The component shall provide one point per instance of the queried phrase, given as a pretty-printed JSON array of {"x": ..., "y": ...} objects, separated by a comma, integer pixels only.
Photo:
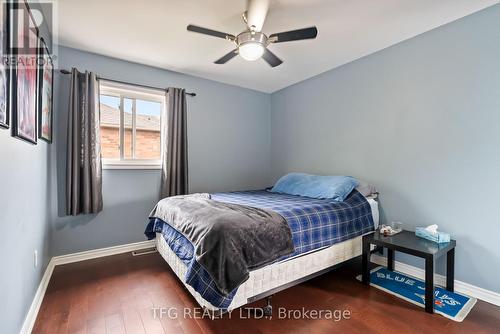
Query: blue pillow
[{"x": 336, "y": 188}]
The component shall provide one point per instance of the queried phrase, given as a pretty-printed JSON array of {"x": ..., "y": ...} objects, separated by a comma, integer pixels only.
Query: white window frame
[{"x": 134, "y": 92}]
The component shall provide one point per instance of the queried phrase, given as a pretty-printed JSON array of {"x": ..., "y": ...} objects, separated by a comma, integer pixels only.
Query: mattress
[
  {"x": 271, "y": 276},
  {"x": 375, "y": 214}
]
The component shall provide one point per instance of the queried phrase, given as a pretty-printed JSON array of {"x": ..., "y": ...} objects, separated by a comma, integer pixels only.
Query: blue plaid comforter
[{"x": 315, "y": 224}]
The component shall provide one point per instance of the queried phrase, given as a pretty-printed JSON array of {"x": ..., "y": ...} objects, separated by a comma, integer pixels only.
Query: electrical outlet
[{"x": 35, "y": 257}]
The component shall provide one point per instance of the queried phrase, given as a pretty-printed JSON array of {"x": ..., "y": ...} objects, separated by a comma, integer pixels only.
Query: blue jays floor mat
[{"x": 451, "y": 305}]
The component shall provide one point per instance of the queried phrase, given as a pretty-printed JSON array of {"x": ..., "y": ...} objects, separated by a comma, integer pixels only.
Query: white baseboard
[
  {"x": 461, "y": 287},
  {"x": 101, "y": 252},
  {"x": 30, "y": 319}
]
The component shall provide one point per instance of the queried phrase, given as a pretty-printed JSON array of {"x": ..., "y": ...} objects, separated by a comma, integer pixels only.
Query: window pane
[
  {"x": 110, "y": 127},
  {"x": 148, "y": 130},
  {"x": 127, "y": 128}
]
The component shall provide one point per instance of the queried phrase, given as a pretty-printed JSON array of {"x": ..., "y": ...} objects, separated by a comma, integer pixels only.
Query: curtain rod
[{"x": 127, "y": 83}]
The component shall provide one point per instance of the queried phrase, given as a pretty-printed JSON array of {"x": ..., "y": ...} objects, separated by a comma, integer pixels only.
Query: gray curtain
[
  {"x": 83, "y": 160},
  {"x": 174, "y": 171}
]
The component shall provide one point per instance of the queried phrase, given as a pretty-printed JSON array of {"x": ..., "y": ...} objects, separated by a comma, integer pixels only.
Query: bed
[{"x": 325, "y": 234}]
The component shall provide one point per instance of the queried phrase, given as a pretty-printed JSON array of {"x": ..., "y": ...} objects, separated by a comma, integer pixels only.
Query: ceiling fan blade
[
  {"x": 256, "y": 13},
  {"x": 224, "y": 59},
  {"x": 271, "y": 58},
  {"x": 294, "y": 35},
  {"x": 210, "y": 32}
]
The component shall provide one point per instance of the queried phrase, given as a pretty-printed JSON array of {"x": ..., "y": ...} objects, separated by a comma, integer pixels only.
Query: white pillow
[{"x": 365, "y": 188}]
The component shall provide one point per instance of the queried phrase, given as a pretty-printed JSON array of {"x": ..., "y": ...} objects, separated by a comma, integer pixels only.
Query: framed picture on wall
[
  {"x": 24, "y": 76},
  {"x": 4, "y": 68},
  {"x": 45, "y": 85}
]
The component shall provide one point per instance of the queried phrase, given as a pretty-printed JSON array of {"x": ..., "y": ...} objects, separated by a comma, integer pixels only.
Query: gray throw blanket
[{"x": 229, "y": 239}]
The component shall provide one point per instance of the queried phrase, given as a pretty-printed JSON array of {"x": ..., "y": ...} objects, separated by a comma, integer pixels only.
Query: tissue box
[{"x": 439, "y": 237}]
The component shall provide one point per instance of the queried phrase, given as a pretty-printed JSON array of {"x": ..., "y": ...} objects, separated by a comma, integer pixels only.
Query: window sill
[{"x": 126, "y": 166}]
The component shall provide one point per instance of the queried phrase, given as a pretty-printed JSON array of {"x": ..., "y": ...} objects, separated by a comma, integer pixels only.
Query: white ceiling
[{"x": 153, "y": 32}]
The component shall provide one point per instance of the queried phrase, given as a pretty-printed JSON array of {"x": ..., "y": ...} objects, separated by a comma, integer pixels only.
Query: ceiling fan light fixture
[
  {"x": 251, "y": 50},
  {"x": 251, "y": 45}
]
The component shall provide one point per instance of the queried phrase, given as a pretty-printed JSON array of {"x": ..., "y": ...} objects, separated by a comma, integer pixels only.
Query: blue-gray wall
[
  {"x": 421, "y": 121},
  {"x": 24, "y": 225},
  {"x": 229, "y": 149},
  {"x": 25, "y": 191}
]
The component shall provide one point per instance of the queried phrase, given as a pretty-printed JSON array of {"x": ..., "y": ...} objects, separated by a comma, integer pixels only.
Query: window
[{"x": 130, "y": 126}]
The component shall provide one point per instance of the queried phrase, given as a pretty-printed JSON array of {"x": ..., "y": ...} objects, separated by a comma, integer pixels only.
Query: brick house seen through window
[{"x": 130, "y": 126}]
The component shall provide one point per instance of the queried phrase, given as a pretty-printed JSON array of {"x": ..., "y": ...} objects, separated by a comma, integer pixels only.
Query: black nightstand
[{"x": 408, "y": 242}]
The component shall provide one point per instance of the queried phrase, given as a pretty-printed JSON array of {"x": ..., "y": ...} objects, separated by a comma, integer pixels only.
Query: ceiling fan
[{"x": 252, "y": 44}]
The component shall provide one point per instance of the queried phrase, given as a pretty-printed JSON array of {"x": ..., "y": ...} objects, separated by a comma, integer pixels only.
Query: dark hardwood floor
[{"x": 118, "y": 294}]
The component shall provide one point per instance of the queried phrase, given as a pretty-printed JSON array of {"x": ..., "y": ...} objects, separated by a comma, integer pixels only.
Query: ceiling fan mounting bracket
[{"x": 272, "y": 39}]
